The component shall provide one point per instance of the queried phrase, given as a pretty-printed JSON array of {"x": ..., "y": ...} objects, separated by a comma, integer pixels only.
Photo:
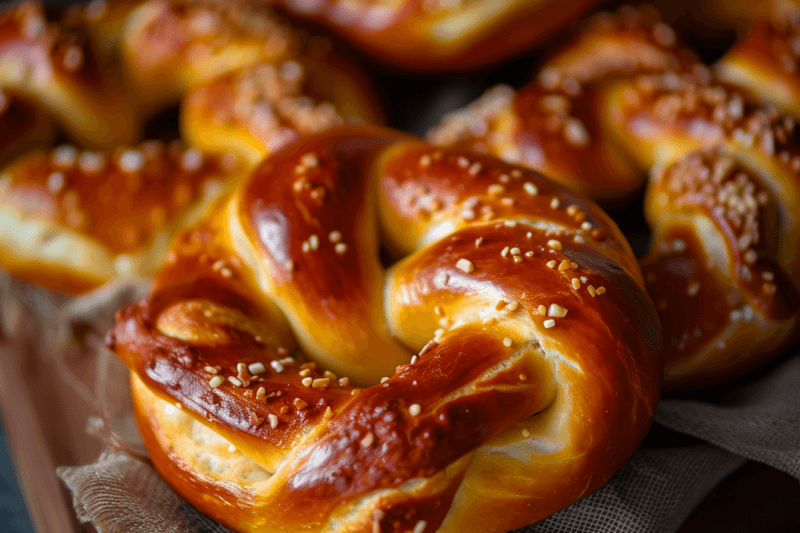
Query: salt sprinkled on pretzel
[{"x": 358, "y": 398}]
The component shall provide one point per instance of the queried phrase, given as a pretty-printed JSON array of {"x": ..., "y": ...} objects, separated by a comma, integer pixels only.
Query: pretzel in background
[
  {"x": 625, "y": 96},
  {"x": 79, "y": 215}
]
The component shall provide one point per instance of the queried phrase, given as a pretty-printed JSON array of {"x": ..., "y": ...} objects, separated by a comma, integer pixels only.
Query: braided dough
[
  {"x": 287, "y": 346},
  {"x": 764, "y": 62},
  {"x": 73, "y": 219},
  {"x": 52, "y": 65},
  {"x": 624, "y": 96}
]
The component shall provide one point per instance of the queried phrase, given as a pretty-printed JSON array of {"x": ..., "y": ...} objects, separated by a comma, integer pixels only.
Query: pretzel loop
[
  {"x": 625, "y": 96},
  {"x": 491, "y": 305}
]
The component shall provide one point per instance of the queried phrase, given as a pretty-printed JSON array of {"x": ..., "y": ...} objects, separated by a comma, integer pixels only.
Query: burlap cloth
[{"x": 120, "y": 492}]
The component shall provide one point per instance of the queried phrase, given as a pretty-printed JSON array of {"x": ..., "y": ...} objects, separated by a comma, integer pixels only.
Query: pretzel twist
[
  {"x": 61, "y": 226},
  {"x": 536, "y": 344},
  {"x": 52, "y": 65},
  {"x": 623, "y": 96}
]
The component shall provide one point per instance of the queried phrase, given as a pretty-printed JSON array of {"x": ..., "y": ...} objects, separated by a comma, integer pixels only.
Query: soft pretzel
[
  {"x": 537, "y": 349},
  {"x": 639, "y": 99},
  {"x": 720, "y": 267},
  {"x": 558, "y": 124},
  {"x": 252, "y": 81},
  {"x": 72, "y": 220},
  {"x": 105, "y": 68},
  {"x": 764, "y": 62},
  {"x": 168, "y": 48},
  {"x": 52, "y": 65},
  {"x": 254, "y": 111},
  {"x": 436, "y": 35},
  {"x": 57, "y": 231}
]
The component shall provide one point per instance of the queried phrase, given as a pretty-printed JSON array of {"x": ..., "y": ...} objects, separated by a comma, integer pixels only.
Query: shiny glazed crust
[
  {"x": 624, "y": 96},
  {"x": 102, "y": 69},
  {"x": 437, "y": 35},
  {"x": 291, "y": 349},
  {"x": 725, "y": 294},
  {"x": 74, "y": 219},
  {"x": 71, "y": 220},
  {"x": 169, "y": 47},
  {"x": 764, "y": 63},
  {"x": 560, "y": 123},
  {"x": 256, "y": 110}
]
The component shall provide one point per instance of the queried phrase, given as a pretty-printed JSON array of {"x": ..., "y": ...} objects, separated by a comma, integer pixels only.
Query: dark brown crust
[
  {"x": 25, "y": 126},
  {"x": 706, "y": 292},
  {"x": 698, "y": 307},
  {"x": 405, "y": 446},
  {"x": 742, "y": 209},
  {"x": 420, "y": 424}
]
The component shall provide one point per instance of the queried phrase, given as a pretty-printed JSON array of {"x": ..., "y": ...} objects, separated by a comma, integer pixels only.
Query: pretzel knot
[
  {"x": 625, "y": 96},
  {"x": 478, "y": 382}
]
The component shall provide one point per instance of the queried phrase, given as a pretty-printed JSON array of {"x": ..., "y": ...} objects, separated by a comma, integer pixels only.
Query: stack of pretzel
[{"x": 355, "y": 330}]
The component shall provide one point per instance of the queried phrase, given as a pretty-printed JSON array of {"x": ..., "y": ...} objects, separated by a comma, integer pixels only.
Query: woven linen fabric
[
  {"x": 654, "y": 492},
  {"x": 759, "y": 420}
]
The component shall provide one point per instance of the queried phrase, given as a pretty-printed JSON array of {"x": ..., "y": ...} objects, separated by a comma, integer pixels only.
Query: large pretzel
[
  {"x": 625, "y": 96},
  {"x": 285, "y": 380}
]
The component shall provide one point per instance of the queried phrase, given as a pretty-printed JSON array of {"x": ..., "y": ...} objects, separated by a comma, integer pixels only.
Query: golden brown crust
[
  {"x": 256, "y": 110},
  {"x": 424, "y": 189},
  {"x": 440, "y": 35},
  {"x": 548, "y": 130},
  {"x": 52, "y": 65},
  {"x": 559, "y": 124},
  {"x": 110, "y": 221},
  {"x": 764, "y": 63},
  {"x": 114, "y": 212},
  {"x": 720, "y": 268},
  {"x": 280, "y": 261},
  {"x": 631, "y": 40},
  {"x": 169, "y": 47},
  {"x": 622, "y": 96}
]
